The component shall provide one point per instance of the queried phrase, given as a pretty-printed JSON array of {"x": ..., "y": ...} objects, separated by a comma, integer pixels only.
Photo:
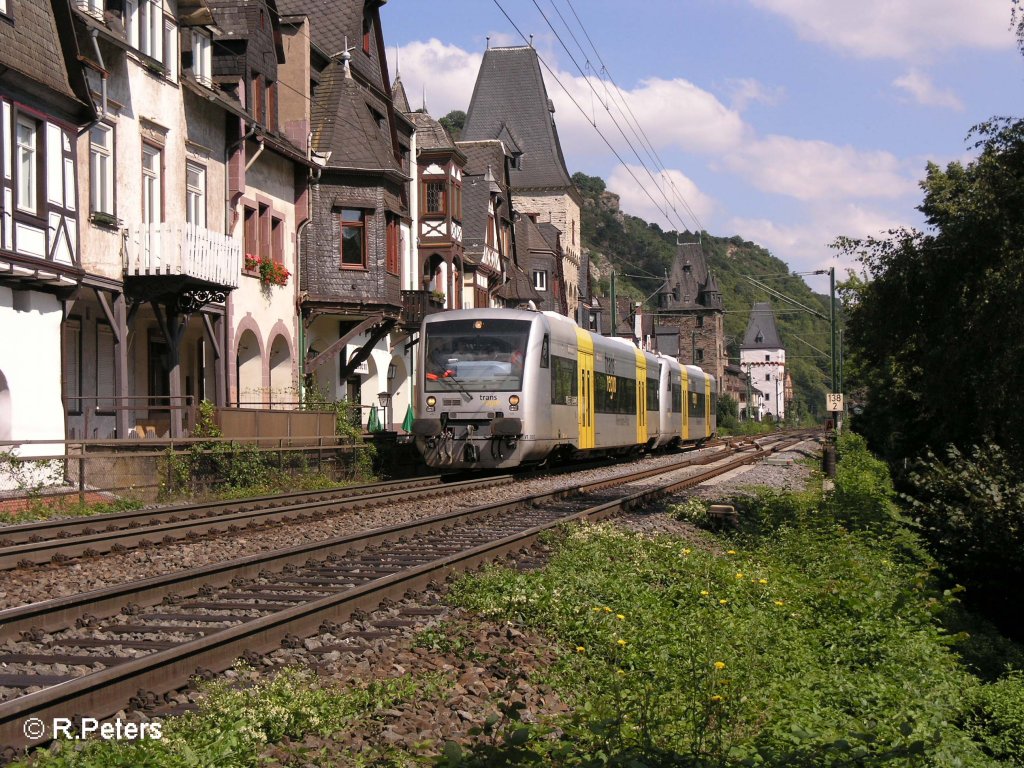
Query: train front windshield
[{"x": 484, "y": 354}]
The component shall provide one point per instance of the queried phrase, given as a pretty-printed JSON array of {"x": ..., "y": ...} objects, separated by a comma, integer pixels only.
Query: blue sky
[{"x": 787, "y": 122}]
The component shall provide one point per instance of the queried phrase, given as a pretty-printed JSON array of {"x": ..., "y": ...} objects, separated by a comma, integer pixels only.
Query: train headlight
[
  {"x": 431, "y": 401},
  {"x": 513, "y": 403}
]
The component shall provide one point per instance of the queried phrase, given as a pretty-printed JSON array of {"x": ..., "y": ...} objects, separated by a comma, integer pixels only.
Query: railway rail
[{"x": 146, "y": 638}]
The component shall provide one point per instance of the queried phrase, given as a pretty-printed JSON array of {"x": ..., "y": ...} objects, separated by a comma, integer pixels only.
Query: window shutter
[
  {"x": 131, "y": 8},
  {"x": 72, "y": 364},
  {"x": 105, "y": 365}
]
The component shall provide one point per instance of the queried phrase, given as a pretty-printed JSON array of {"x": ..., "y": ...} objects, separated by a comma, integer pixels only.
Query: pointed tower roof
[
  {"x": 399, "y": 96},
  {"x": 761, "y": 331},
  {"x": 510, "y": 102},
  {"x": 690, "y": 285}
]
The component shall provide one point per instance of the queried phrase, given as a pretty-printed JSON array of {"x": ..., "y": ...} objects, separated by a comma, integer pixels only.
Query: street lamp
[{"x": 384, "y": 398}]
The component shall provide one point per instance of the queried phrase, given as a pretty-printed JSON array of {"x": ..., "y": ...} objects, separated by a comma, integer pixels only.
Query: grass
[
  {"x": 812, "y": 638},
  {"x": 234, "y": 726}
]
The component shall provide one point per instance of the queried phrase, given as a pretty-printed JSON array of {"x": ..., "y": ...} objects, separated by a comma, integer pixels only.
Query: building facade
[{"x": 763, "y": 359}]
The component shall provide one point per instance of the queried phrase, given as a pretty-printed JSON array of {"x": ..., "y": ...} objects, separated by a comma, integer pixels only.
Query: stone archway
[
  {"x": 5, "y": 409},
  {"x": 248, "y": 369},
  {"x": 282, "y": 388}
]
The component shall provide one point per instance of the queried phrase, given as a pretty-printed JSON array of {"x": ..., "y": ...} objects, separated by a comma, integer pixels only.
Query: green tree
[
  {"x": 937, "y": 331},
  {"x": 454, "y": 122}
]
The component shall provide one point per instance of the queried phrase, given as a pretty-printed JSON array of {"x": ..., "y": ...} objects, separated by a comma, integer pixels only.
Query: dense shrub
[{"x": 970, "y": 507}]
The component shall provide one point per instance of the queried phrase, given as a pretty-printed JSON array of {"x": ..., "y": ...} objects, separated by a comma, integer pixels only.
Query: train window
[
  {"x": 544, "y": 354},
  {"x": 564, "y": 381},
  {"x": 677, "y": 397},
  {"x": 484, "y": 354},
  {"x": 653, "y": 400}
]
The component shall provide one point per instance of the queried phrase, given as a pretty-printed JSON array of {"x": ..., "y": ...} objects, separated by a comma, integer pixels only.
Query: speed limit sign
[{"x": 833, "y": 401}]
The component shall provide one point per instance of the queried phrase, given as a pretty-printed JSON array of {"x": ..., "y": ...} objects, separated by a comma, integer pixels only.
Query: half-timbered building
[{"x": 43, "y": 106}]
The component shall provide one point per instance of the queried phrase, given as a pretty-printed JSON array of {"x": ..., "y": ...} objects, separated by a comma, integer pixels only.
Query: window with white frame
[
  {"x": 101, "y": 169},
  {"x": 151, "y": 33},
  {"x": 195, "y": 194},
  {"x": 152, "y": 184},
  {"x": 27, "y": 138},
  {"x": 3, "y": 6},
  {"x": 540, "y": 280},
  {"x": 92, "y": 7},
  {"x": 202, "y": 57}
]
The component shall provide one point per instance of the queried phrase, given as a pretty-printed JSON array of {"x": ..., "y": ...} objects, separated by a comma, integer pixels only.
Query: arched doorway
[
  {"x": 282, "y": 389},
  {"x": 248, "y": 370}
]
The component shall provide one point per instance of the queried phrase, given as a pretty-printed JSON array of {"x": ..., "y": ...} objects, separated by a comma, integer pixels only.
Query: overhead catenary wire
[{"x": 583, "y": 111}]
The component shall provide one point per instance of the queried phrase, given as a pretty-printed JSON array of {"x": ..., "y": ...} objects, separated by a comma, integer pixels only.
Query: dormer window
[
  {"x": 202, "y": 57},
  {"x": 367, "y": 28},
  {"x": 153, "y": 35}
]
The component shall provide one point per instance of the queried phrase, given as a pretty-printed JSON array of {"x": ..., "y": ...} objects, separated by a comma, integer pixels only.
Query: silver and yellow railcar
[{"x": 500, "y": 388}]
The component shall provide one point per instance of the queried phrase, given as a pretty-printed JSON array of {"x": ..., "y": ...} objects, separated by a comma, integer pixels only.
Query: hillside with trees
[{"x": 641, "y": 254}]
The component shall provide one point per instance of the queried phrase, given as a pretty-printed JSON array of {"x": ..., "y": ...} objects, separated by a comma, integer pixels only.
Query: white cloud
[
  {"x": 925, "y": 92},
  {"x": 804, "y": 246},
  {"x": 814, "y": 170},
  {"x": 746, "y": 91},
  {"x": 672, "y": 194},
  {"x": 905, "y": 29},
  {"x": 673, "y": 114},
  {"x": 442, "y": 74}
]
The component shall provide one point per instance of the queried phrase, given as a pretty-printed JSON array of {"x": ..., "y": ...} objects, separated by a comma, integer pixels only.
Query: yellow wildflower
[
  {"x": 621, "y": 641},
  {"x": 719, "y": 665},
  {"x": 620, "y": 671},
  {"x": 597, "y": 610},
  {"x": 716, "y": 698},
  {"x": 723, "y": 601},
  {"x": 686, "y": 551},
  {"x": 580, "y": 649},
  {"x": 731, "y": 552},
  {"x": 607, "y": 609},
  {"x": 704, "y": 592},
  {"x": 779, "y": 602},
  {"x": 739, "y": 575},
  {"x": 620, "y": 617},
  {"x": 762, "y": 581}
]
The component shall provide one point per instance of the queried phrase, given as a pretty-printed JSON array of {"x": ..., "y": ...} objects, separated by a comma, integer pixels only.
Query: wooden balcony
[
  {"x": 415, "y": 306},
  {"x": 184, "y": 251}
]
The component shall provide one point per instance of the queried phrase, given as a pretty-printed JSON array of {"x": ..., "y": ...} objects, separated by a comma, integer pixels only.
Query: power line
[{"x": 582, "y": 111}]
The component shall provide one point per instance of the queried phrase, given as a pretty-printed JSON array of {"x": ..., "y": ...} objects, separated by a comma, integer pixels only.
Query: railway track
[
  {"x": 92, "y": 653},
  {"x": 60, "y": 540}
]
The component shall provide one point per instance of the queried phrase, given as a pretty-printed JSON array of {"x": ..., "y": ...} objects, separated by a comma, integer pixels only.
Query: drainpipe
[
  {"x": 103, "y": 77},
  {"x": 258, "y": 152}
]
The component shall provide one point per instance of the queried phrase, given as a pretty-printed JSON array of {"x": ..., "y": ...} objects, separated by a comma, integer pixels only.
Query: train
[{"x": 507, "y": 388}]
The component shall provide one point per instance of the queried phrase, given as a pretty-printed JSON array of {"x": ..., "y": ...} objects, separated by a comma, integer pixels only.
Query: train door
[
  {"x": 585, "y": 353},
  {"x": 641, "y": 398},
  {"x": 685, "y": 404}
]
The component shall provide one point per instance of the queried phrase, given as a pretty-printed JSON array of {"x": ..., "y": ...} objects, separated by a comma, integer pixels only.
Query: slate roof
[
  {"x": 761, "y": 331},
  {"x": 430, "y": 134},
  {"x": 399, "y": 96},
  {"x": 31, "y": 47},
  {"x": 519, "y": 288},
  {"x": 690, "y": 282},
  {"x": 331, "y": 21},
  {"x": 344, "y": 124},
  {"x": 510, "y": 102},
  {"x": 481, "y": 157}
]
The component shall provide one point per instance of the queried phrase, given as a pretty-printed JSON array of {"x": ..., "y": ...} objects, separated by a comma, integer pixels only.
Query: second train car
[{"x": 500, "y": 388}]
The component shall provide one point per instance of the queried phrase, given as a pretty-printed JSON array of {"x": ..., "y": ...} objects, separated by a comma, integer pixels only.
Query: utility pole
[
  {"x": 832, "y": 322},
  {"x": 612, "y": 329}
]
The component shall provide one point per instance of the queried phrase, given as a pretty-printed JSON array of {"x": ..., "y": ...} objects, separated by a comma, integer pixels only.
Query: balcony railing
[
  {"x": 416, "y": 305},
  {"x": 153, "y": 250}
]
